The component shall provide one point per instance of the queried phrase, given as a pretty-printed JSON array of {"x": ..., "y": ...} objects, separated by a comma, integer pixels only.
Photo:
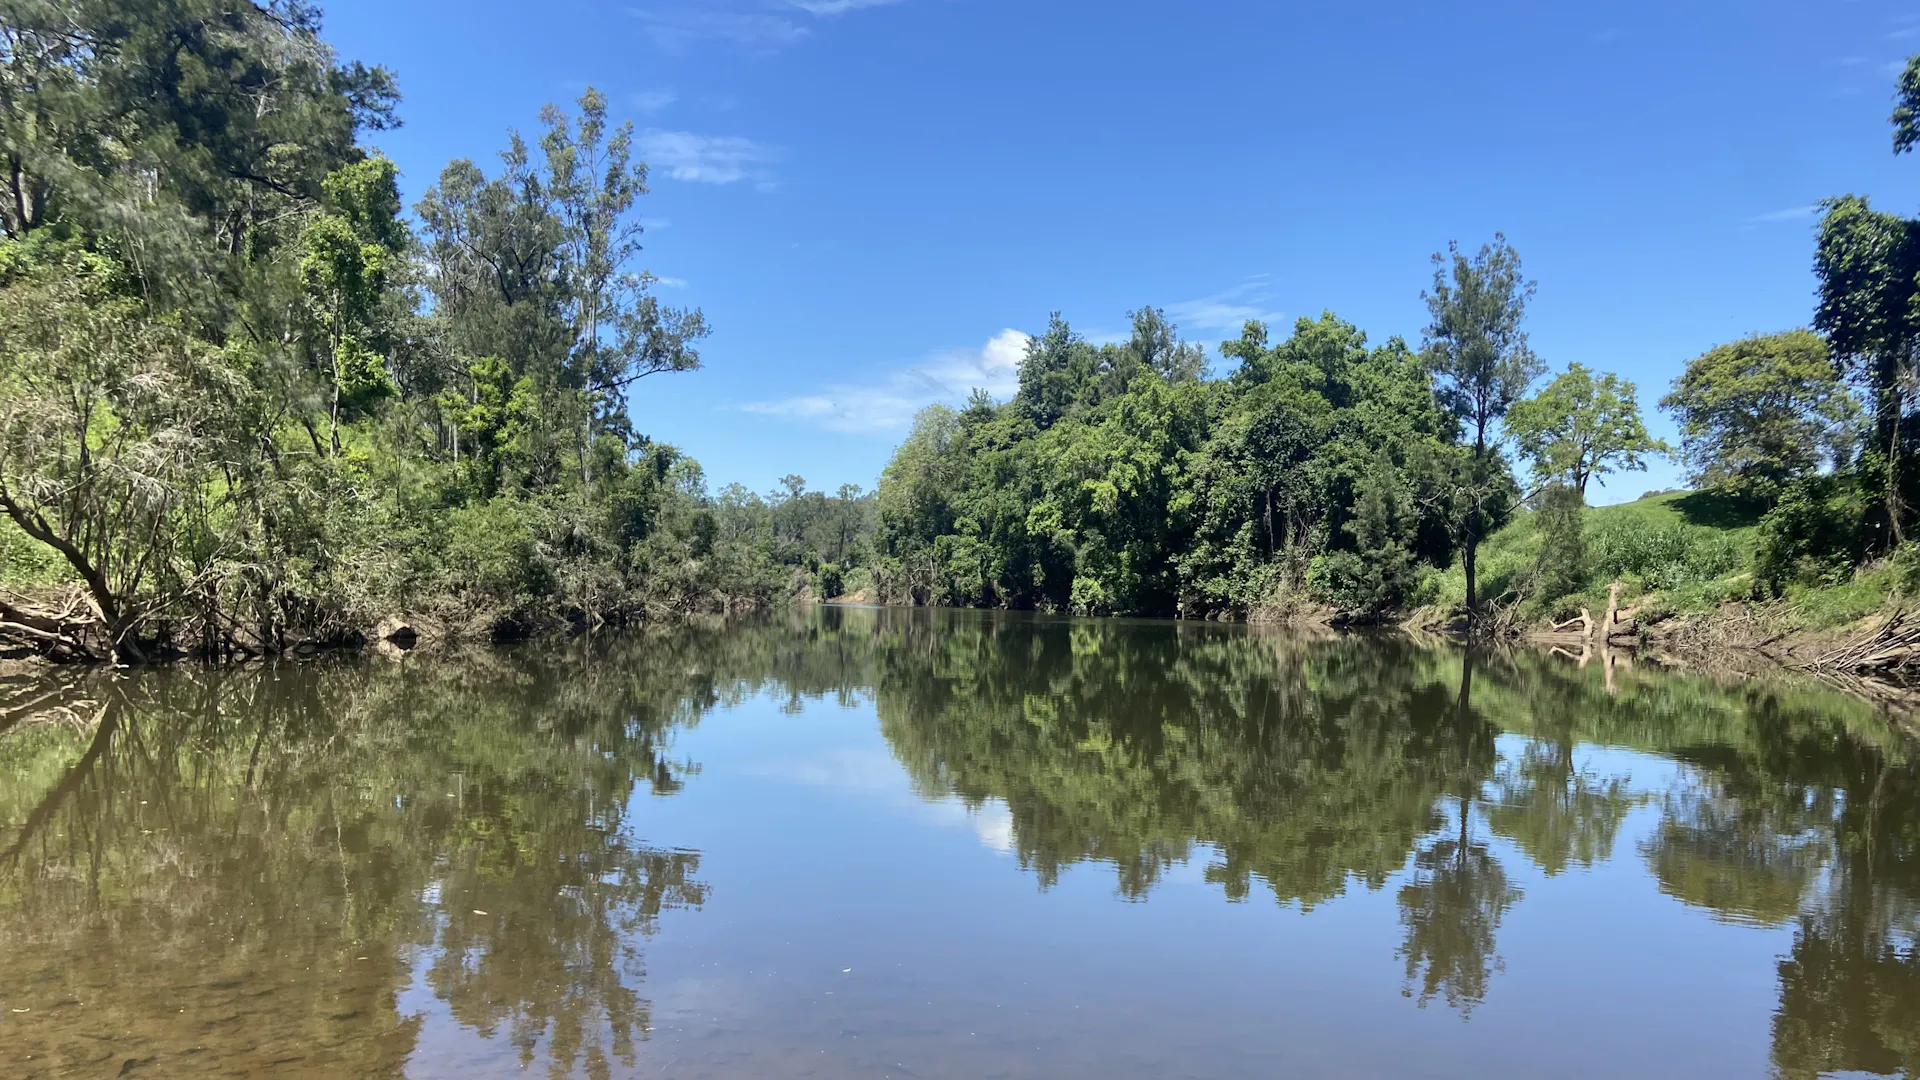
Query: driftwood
[
  {"x": 65, "y": 633},
  {"x": 1893, "y": 646},
  {"x": 1584, "y": 621},
  {"x": 1620, "y": 622}
]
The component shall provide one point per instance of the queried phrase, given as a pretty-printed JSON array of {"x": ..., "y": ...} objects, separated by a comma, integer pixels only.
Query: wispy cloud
[
  {"x": 1791, "y": 213},
  {"x": 652, "y": 101},
  {"x": 709, "y": 159},
  {"x": 677, "y": 25},
  {"x": 836, "y": 7},
  {"x": 675, "y": 29},
  {"x": 671, "y": 282},
  {"x": 1226, "y": 312},
  {"x": 889, "y": 403}
]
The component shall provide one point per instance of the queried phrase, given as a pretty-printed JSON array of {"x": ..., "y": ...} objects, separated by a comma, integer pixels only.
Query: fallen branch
[{"x": 1892, "y": 646}]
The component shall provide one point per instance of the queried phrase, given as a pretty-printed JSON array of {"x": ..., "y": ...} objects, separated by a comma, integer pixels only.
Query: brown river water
[{"x": 858, "y": 843}]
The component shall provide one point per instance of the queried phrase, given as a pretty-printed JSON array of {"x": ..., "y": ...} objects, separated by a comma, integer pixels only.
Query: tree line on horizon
[
  {"x": 249, "y": 400},
  {"x": 1327, "y": 471}
]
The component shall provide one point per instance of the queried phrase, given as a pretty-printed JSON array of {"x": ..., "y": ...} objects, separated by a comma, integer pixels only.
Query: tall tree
[
  {"x": 1579, "y": 427},
  {"x": 1868, "y": 263},
  {"x": 348, "y": 252},
  {"x": 538, "y": 265},
  {"x": 1906, "y": 110},
  {"x": 1480, "y": 356},
  {"x": 184, "y": 130}
]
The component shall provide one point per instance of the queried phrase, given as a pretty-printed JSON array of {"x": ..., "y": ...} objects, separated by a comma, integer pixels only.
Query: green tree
[
  {"x": 1561, "y": 567},
  {"x": 348, "y": 252},
  {"x": 1906, "y": 110},
  {"x": 1868, "y": 263},
  {"x": 1479, "y": 353},
  {"x": 1757, "y": 413},
  {"x": 1579, "y": 427},
  {"x": 122, "y": 446}
]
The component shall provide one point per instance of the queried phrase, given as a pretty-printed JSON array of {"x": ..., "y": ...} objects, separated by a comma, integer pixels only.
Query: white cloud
[
  {"x": 708, "y": 159},
  {"x": 889, "y": 403},
  {"x": 652, "y": 101},
  {"x": 674, "y": 29},
  {"x": 676, "y": 26},
  {"x": 1792, "y": 213},
  {"x": 670, "y": 282},
  {"x": 872, "y": 773},
  {"x": 1225, "y": 312},
  {"x": 836, "y": 7}
]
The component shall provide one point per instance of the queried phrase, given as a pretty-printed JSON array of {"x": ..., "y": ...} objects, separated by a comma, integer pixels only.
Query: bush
[
  {"x": 491, "y": 557},
  {"x": 1561, "y": 567},
  {"x": 1813, "y": 537}
]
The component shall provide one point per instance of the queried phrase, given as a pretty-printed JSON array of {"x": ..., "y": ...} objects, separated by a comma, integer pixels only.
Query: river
[{"x": 859, "y": 843}]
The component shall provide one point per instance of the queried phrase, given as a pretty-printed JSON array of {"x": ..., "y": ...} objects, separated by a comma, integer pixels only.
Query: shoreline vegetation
[{"x": 251, "y": 404}]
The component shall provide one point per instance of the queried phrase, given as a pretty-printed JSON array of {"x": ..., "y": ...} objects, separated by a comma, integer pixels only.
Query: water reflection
[{"x": 243, "y": 870}]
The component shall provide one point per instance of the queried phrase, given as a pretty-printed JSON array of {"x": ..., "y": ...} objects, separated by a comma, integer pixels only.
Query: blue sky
[{"x": 873, "y": 199}]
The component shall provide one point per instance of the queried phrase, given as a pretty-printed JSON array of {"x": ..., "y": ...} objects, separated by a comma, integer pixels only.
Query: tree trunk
[
  {"x": 333, "y": 433},
  {"x": 1894, "y": 506},
  {"x": 1473, "y": 584}
]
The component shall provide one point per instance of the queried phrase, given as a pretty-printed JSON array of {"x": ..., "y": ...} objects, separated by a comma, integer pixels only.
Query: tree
[
  {"x": 1757, "y": 413},
  {"x": 1156, "y": 346},
  {"x": 223, "y": 117},
  {"x": 348, "y": 252},
  {"x": 537, "y": 266},
  {"x": 1056, "y": 373},
  {"x": 1579, "y": 427},
  {"x": 1868, "y": 263},
  {"x": 1906, "y": 113},
  {"x": 118, "y": 442},
  {"x": 1480, "y": 355}
]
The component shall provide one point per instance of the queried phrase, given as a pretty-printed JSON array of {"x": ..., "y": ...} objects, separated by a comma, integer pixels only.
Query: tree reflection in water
[{"x": 280, "y": 854}]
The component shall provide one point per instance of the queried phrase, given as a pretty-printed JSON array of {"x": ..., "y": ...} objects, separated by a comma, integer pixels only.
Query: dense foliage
[
  {"x": 1367, "y": 480},
  {"x": 246, "y": 403},
  {"x": 1321, "y": 469}
]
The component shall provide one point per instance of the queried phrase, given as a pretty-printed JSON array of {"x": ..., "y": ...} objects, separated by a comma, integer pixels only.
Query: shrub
[
  {"x": 1561, "y": 567},
  {"x": 491, "y": 556},
  {"x": 1813, "y": 536}
]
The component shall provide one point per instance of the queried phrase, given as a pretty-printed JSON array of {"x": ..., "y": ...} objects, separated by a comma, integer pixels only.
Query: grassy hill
[{"x": 1679, "y": 551}]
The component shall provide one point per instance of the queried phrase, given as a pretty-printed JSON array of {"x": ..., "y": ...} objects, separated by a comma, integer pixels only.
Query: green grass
[
  {"x": 26, "y": 563},
  {"x": 1698, "y": 508},
  {"x": 1686, "y": 551},
  {"x": 1678, "y": 552}
]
